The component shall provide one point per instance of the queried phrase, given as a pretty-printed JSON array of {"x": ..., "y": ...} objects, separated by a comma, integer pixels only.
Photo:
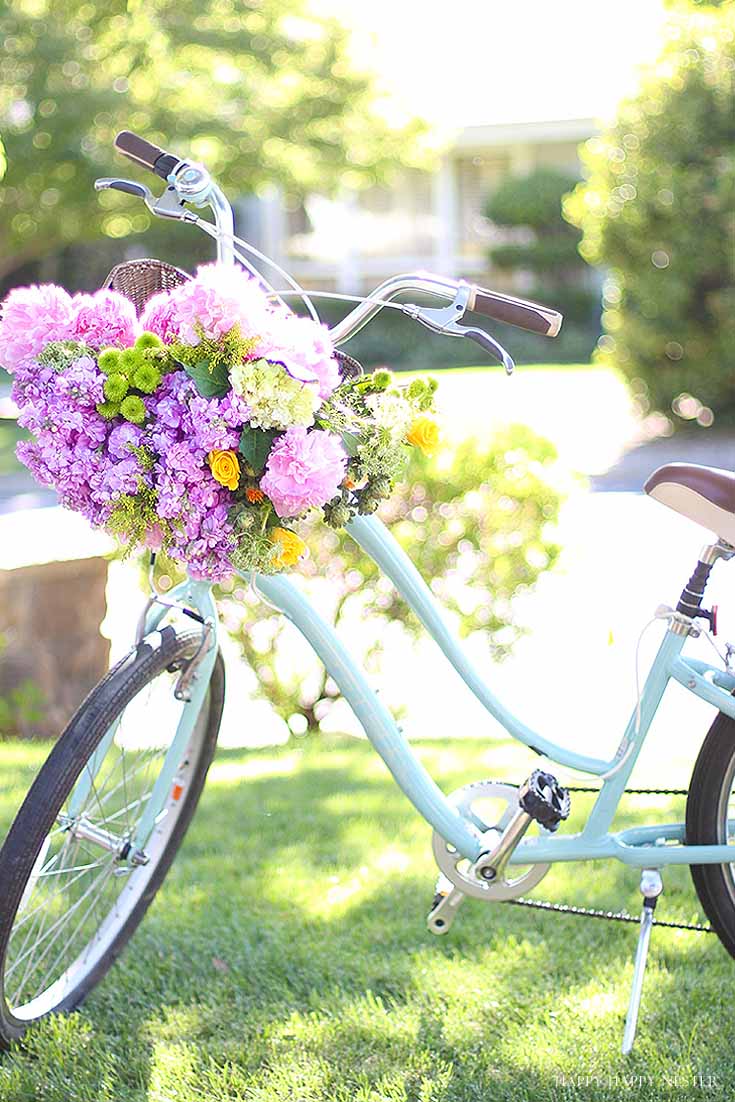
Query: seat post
[{"x": 690, "y": 601}]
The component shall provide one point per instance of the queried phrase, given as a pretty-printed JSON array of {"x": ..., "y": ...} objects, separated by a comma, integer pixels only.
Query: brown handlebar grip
[
  {"x": 145, "y": 153},
  {"x": 516, "y": 311}
]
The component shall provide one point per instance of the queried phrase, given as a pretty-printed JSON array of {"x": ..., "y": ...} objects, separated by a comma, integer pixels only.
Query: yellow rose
[
  {"x": 424, "y": 434},
  {"x": 291, "y": 547},
  {"x": 225, "y": 467}
]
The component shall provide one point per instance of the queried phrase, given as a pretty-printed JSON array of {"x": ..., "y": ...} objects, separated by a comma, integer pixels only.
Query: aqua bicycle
[{"x": 104, "y": 818}]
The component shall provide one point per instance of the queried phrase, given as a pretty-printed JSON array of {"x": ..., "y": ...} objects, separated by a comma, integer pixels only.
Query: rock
[{"x": 51, "y": 649}]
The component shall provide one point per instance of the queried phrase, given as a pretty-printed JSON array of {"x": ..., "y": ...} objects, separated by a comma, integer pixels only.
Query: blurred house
[{"x": 423, "y": 220}]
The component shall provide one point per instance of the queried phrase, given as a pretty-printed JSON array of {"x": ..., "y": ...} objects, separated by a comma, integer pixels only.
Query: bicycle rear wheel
[
  {"x": 74, "y": 886},
  {"x": 710, "y": 821}
]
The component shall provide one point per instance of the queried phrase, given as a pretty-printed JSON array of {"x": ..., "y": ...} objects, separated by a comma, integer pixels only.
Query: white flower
[
  {"x": 391, "y": 412},
  {"x": 276, "y": 400}
]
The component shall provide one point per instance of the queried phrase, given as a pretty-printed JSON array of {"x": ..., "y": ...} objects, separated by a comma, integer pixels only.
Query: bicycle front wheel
[{"x": 74, "y": 885}]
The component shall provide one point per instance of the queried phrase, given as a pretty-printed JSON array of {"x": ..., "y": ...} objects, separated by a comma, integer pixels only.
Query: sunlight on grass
[
  {"x": 234, "y": 772},
  {"x": 287, "y": 958}
]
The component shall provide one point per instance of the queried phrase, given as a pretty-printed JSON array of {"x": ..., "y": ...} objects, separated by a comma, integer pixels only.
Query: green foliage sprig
[
  {"x": 60, "y": 355},
  {"x": 209, "y": 362},
  {"x": 134, "y": 515},
  {"x": 378, "y": 456}
]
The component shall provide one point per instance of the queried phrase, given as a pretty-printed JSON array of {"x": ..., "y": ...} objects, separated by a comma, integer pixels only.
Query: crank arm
[{"x": 448, "y": 900}]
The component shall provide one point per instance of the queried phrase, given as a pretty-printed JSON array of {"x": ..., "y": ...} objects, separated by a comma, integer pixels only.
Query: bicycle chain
[{"x": 614, "y": 916}]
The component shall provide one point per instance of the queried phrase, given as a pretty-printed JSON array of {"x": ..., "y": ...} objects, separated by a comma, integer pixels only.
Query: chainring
[{"x": 517, "y": 880}]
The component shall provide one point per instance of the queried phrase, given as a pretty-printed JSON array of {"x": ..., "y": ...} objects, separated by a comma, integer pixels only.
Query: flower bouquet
[{"x": 207, "y": 426}]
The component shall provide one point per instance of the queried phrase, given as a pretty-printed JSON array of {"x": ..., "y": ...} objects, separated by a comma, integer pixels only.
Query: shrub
[
  {"x": 657, "y": 211},
  {"x": 542, "y": 243},
  {"x": 477, "y": 527}
]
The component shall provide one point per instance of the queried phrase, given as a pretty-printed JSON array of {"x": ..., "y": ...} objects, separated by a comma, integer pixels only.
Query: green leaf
[
  {"x": 211, "y": 383},
  {"x": 255, "y": 446},
  {"x": 351, "y": 442}
]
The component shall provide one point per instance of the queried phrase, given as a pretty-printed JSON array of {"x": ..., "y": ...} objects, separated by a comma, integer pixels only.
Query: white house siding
[{"x": 422, "y": 220}]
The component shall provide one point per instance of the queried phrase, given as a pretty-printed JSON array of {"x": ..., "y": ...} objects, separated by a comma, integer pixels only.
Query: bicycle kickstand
[{"x": 651, "y": 888}]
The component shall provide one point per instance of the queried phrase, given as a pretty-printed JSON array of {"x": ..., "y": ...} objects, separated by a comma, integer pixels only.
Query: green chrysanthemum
[
  {"x": 109, "y": 360},
  {"x": 130, "y": 361},
  {"x": 148, "y": 340},
  {"x": 108, "y": 410},
  {"x": 146, "y": 378},
  {"x": 116, "y": 387},
  {"x": 133, "y": 410}
]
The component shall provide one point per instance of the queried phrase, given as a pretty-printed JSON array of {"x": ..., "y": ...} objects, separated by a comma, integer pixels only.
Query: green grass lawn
[{"x": 286, "y": 958}]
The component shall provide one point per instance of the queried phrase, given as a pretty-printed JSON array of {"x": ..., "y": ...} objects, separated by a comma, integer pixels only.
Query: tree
[
  {"x": 260, "y": 90},
  {"x": 546, "y": 245},
  {"x": 657, "y": 213}
]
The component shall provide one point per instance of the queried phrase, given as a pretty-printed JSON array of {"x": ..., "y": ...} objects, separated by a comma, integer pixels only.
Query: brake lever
[
  {"x": 129, "y": 186},
  {"x": 445, "y": 320},
  {"x": 479, "y": 336},
  {"x": 168, "y": 205}
]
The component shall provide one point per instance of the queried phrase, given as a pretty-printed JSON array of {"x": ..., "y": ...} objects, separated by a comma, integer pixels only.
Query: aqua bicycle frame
[{"x": 643, "y": 846}]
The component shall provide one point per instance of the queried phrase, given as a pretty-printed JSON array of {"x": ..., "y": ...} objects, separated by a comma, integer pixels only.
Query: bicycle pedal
[
  {"x": 444, "y": 906},
  {"x": 545, "y": 800}
]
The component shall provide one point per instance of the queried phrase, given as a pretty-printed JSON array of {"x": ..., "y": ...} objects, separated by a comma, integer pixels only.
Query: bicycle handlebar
[
  {"x": 413, "y": 282},
  {"x": 145, "y": 153},
  {"x": 192, "y": 184},
  {"x": 516, "y": 311}
]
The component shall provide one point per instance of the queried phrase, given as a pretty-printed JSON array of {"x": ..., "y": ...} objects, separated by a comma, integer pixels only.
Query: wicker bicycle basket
[{"x": 140, "y": 280}]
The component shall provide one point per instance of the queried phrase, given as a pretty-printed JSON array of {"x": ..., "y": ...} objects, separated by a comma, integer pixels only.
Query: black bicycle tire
[
  {"x": 714, "y": 884},
  {"x": 58, "y": 774}
]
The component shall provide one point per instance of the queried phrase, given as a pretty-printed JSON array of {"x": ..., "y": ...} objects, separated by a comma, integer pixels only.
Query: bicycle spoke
[
  {"x": 139, "y": 767},
  {"x": 50, "y": 970},
  {"x": 75, "y": 868},
  {"x": 57, "y": 926}
]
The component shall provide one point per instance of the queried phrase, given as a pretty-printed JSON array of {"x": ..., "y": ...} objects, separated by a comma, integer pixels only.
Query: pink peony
[
  {"x": 103, "y": 318},
  {"x": 303, "y": 469},
  {"x": 159, "y": 317},
  {"x": 216, "y": 299},
  {"x": 31, "y": 317},
  {"x": 304, "y": 348},
  {"x": 219, "y": 297}
]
